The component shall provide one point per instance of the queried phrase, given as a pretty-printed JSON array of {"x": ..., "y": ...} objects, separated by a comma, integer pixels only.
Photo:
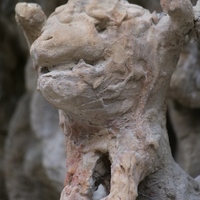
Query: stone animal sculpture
[{"x": 106, "y": 65}]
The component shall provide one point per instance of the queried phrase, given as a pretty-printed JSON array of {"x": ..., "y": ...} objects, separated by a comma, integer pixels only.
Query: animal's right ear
[
  {"x": 112, "y": 12},
  {"x": 31, "y": 18},
  {"x": 99, "y": 13}
]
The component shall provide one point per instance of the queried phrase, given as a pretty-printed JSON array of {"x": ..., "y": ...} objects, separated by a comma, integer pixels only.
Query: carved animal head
[{"x": 89, "y": 59}]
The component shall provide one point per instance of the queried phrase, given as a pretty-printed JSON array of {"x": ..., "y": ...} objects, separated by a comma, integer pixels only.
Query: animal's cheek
[{"x": 91, "y": 75}]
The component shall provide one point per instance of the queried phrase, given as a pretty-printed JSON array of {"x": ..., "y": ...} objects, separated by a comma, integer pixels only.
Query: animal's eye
[
  {"x": 44, "y": 70},
  {"x": 100, "y": 27}
]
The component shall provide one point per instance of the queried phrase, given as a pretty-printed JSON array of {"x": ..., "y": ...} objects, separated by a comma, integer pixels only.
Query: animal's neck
[{"x": 80, "y": 130}]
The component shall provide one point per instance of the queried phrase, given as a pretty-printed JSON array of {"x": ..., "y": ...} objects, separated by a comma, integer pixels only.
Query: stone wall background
[
  {"x": 32, "y": 147},
  {"x": 32, "y": 151}
]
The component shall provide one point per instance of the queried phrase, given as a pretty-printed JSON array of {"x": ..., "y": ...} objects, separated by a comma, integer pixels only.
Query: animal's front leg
[
  {"x": 73, "y": 195},
  {"x": 79, "y": 180},
  {"x": 125, "y": 177}
]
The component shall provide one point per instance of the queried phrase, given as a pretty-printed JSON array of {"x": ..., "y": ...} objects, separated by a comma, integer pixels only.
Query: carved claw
[{"x": 31, "y": 18}]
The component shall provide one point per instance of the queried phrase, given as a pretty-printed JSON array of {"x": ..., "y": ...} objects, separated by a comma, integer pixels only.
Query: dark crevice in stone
[{"x": 102, "y": 173}]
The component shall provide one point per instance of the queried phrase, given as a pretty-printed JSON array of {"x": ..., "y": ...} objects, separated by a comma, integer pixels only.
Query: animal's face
[{"x": 85, "y": 63}]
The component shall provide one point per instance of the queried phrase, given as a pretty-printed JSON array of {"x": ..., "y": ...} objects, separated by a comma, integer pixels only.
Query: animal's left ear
[
  {"x": 31, "y": 18},
  {"x": 105, "y": 11}
]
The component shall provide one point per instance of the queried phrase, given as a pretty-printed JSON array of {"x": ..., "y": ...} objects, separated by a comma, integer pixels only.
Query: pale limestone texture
[{"x": 106, "y": 65}]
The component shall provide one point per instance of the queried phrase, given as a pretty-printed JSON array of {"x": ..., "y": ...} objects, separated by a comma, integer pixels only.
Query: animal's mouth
[{"x": 64, "y": 66}]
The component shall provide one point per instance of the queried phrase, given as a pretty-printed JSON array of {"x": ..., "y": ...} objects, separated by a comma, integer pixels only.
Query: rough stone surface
[
  {"x": 107, "y": 66},
  {"x": 12, "y": 59},
  {"x": 26, "y": 167},
  {"x": 25, "y": 177},
  {"x": 185, "y": 82},
  {"x": 186, "y": 125},
  {"x": 35, "y": 155},
  {"x": 184, "y": 108}
]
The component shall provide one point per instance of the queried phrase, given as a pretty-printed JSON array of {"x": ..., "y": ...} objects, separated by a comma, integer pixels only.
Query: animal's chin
[
  {"x": 53, "y": 97},
  {"x": 56, "y": 91},
  {"x": 66, "y": 90},
  {"x": 78, "y": 99},
  {"x": 89, "y": 111}
]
